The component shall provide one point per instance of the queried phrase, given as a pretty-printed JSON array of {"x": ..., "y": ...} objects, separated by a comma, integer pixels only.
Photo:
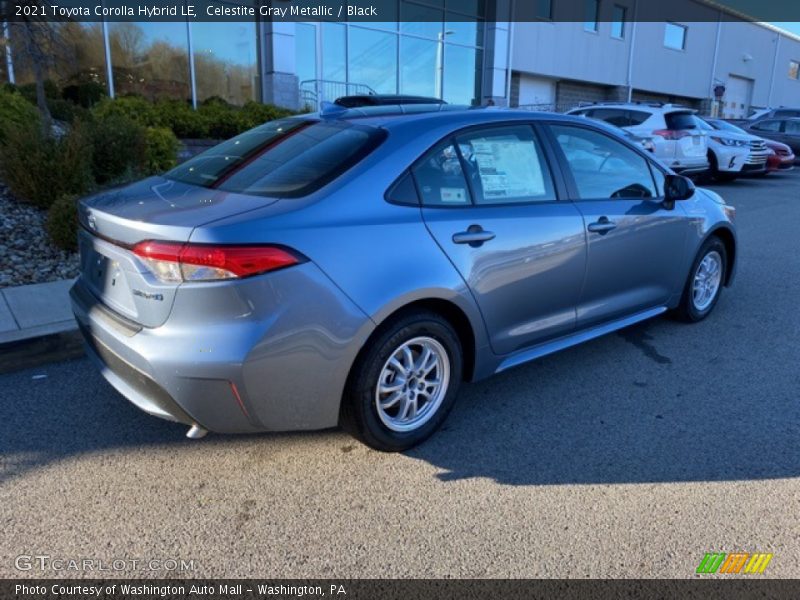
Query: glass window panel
[
  {"x": 592, "y": 7},
  {"x": 469, "y": 7},
  {"x": 675, "y": 36},
  {"x": 544, "y": 9},
  {"x": 468, "y": 32},
  {"x": 603, "y": 167},
  {"x": 373, "y": 59},
  {"x": 461, "y": 75},
  {"x": 794, "y": 69},
  {"x": 305, "y": 42},
  {"x": 334, "y": 57},
  {"x": 421, "y": 20},
  {"x": 618, "y": 22},
  {"x": 225, "y": 61},
  {"x": 150, "y": 59},
  {"x": 74, "y": 51},
  {"x": 418, "y": 68}
]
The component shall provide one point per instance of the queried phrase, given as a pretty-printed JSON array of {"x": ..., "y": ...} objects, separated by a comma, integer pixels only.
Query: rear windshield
[
  {"x": 680, "y": 120},
  {"x": 288, "y": 158}
]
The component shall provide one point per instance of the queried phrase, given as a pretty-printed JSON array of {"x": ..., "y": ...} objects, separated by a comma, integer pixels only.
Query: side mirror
[{"x": 677, "y": 187}]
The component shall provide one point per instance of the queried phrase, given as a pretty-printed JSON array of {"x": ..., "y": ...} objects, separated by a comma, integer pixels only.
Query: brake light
[
  {"x": 672, "y": 134},
  {"x": 176, "y": 262}
]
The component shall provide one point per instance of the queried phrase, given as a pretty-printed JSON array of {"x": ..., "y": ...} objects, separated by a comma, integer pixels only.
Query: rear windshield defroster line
[{"x": 288, "y": 158}]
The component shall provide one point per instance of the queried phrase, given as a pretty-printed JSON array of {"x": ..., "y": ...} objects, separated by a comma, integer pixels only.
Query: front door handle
[
  {"x": 602, "y": 226},
  {"x": 475, "y": 235}
]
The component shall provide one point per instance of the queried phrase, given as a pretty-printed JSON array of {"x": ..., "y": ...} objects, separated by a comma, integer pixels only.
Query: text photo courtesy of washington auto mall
[{"x": 397, "y": 299}]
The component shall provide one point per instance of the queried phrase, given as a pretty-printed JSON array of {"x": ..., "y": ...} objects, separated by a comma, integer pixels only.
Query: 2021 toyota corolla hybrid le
[{"x": 355, "y": 268}]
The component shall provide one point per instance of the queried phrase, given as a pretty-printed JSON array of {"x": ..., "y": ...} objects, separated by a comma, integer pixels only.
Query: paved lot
[{"x": 630, "y": 456}]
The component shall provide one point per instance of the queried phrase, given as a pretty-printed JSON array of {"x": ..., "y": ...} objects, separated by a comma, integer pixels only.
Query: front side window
[
  {"x": 603, "y": 167},
  {"x": 287, "y": 158},
  {"x": 675, "y": 36}
]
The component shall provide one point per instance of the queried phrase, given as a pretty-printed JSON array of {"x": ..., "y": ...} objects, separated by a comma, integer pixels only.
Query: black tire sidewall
[{"x": 364, "y": 414}]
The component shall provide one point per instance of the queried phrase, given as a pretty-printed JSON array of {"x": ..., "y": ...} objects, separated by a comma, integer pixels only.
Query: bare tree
[{"x": 37, "y": 45}]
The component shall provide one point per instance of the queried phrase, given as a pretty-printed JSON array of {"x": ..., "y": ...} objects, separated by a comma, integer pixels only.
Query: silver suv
[{"x": 678, "y": 142}]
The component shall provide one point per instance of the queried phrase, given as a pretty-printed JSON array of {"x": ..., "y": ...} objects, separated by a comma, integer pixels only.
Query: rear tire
[
  {"x": 704, "y": 284},
  {"x": 404, "y": 383}
]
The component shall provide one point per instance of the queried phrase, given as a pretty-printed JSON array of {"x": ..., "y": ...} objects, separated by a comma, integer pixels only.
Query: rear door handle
[
  {"x": 475, "y": 235},
  {"x": 602, "y": 226}
]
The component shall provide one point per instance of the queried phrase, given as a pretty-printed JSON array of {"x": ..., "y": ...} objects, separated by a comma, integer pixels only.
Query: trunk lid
[{"x": 152, "y": 209}]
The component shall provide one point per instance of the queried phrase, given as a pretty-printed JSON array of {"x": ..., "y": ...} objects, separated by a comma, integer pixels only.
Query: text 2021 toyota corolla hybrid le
[{"x": 355, "y": 268}]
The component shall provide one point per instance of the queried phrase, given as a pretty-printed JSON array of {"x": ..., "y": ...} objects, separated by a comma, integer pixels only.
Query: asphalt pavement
[{"x": 630, "y": 456}]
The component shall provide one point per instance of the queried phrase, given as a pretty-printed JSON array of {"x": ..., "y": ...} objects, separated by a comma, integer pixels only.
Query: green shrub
[
  {"x": 38, "y": 168},
  {"x": 15, "y": 110},
  {"x": 117, "y": 147},
  {"x": 221, "y": 120},
  {"x": 86, "y": 94},
  {"x": 253, "y": 114},
  {"x": 161, "y": 150},
  {"x": 133, "y": 108},
  {"x": 29, "y": 91},
  {"x": 179, "y": 116},
  {"x": 64, "y": 110},
  {"x": 62, "y": 222}
]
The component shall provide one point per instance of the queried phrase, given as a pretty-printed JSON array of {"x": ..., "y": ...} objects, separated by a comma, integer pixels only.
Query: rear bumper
[{"x": 257, "y": 366}]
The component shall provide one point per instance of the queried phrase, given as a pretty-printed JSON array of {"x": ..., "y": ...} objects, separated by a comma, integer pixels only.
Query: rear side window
[
  {"x": 680, "y": 120},
  {"x": 612, "y": 115},
  {"x": 767, "y": 126},
  {"x": 499, "y": 165},
  {"x": 637, "y": 117},
  {"x": 603, "y": 167},
  {"x": 284, "y": 159},
  {"x": 506, "y": 165},
  {"x": 787, "y": 113}
]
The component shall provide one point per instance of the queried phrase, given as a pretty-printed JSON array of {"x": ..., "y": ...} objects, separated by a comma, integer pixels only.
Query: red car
[{"x": 781, "y": 157}]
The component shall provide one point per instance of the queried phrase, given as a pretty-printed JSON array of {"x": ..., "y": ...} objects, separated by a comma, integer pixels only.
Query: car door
[
  {"x": 791, "y": 134},
  {"x": 635, "y": 245},
  {"x": 489, "y": 199}
]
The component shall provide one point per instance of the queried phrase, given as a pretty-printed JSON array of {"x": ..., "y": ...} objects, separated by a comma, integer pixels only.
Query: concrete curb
[
  {"x": 39, "y": 350},
  {"x": 36, "y": 326}
]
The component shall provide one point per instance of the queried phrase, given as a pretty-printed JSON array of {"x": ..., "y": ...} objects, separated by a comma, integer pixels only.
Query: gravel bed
[{"x": 26, "y": 254}]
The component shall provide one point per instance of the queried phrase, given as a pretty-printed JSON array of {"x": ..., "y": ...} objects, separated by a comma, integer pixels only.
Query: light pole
[{"x": 440, "y": 61}]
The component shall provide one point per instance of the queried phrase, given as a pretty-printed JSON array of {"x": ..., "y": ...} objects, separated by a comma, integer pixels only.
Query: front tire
[
  {"x": 404, "y": 383},
  {"x": 704, "y": 284}
]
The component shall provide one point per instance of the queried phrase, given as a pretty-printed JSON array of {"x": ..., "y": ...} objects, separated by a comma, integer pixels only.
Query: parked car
[
  {"x": 786, "y": 131},
  {"x": 356, "y": 268},
  {"x": 782, "y": 112},
  {"x": 678, "y": 142},
  {"x": 384, "y": 100},
  {"x": 732, "y": 153},
  {"x": 645, "y": 141},
  {"x": 779, "y": 156}
]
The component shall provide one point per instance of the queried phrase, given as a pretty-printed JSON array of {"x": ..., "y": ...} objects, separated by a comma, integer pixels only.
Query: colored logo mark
[{"x": 734, "y": 563}]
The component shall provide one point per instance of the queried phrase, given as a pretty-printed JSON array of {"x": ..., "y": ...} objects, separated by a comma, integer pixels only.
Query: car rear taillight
[
  {"x": 176, "y": 261},
  {"x": 672, "y": 134}
]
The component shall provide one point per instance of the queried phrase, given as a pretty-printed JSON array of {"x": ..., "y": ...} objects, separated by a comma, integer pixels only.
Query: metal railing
[{"x": 313, "y": 92}]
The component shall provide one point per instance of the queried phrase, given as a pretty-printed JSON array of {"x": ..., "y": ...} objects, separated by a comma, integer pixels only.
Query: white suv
[{"x": 678, "y": 142}]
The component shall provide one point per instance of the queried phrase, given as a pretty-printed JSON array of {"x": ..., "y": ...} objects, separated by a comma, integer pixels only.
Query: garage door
[
  {"x": 536, "y": 92},
  {"x": 736, "y": 101}
]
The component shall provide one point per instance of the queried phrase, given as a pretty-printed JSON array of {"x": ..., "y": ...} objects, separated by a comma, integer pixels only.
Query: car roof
[
  {"x": 390, "y": 116},
  {"x": 359, "y": 100},
  {"x": 652, "y": 107}
]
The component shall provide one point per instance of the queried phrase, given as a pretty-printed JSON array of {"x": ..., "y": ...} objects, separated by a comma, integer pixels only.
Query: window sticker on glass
[
  {"x": 454, "y": 195},
  {"x": 508, "y": 168}
]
